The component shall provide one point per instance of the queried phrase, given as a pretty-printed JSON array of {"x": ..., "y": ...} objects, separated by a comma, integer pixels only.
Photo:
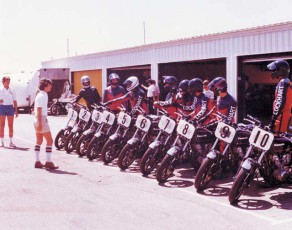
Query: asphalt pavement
[{"x": 89, "y": 195}]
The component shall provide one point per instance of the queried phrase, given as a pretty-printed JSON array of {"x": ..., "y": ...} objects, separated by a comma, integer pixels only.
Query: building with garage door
[{"x": 240, "y": 56}]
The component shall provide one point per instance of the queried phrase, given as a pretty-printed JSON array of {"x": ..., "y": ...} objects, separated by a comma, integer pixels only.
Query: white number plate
[
  {"x": 143, "y": 123},
  {"x": 84, "y": 115},
  {"x": 166, "y": 124},
  {"x": 225, "y": 132},
  {"x": 72, "y": 115},
  {"x": 261, "y": 138},
  {"x": 108, "y": 117},
  {"x": 185, "y": 129},
  {"x": 124, "y": 119},
  {"x": 96, "y": 116}
]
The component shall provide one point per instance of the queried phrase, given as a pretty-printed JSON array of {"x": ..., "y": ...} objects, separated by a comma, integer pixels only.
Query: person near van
[
  {"x": 152, "y": 94},
  {"x": 41, "y": 124},
  {"x": 8, "y": 107},
  {"x": 208, "y": 93}
]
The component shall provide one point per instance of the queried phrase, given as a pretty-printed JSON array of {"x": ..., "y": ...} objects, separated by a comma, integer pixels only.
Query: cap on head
[{"x": 279, "y": 68}]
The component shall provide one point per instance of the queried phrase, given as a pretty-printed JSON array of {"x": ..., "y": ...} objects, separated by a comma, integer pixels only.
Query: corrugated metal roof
[{"x": 207, "y": 37}]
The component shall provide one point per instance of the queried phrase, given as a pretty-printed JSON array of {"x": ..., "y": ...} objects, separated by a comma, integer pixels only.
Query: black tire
[
  {"x": 166, "y": 168},
  {"x": 149, "y": 161},
  {"x": 61, "y": 138},
  {"x": 82, "y": 144},
  {"x": 110, "y": 150},
  {"x": 71, "y": 142},
  {"x": 240, "y": 183},
  {"x": 94, "y": 148},
  {"x": 55, "y": 109},
  {"x": 204, "y": 174},
  {"x": 127, "y": 156}
]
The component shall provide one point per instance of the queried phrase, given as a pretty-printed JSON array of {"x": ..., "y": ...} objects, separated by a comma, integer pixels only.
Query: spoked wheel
[
  {"x": 149, "y": 161},
  {"x": 55, "y": 109},
  {"x": 61, "y": 138},
  {"x": 71, "y": 142},
  {"x": 166, "y": 168},
  {"x": 204, "y": 174},
  {"x": 82, "y": 144},
  {"x": 241, "y": 182},
  {"x": 127, "y": 156},
  {"x": 110, "y": 151},
  {"x": 94, "y": 148}
]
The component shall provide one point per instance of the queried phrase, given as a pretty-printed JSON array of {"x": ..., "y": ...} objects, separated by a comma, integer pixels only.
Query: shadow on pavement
[
  {"x": 59, "y": 171},
  {"x": 17, "y": 148},
  {"x": 177, "y": 183},
  {"x": 215, "y": 191},
  {"x": 284, "y": 200},
  {"x": 253, "y": 204}
]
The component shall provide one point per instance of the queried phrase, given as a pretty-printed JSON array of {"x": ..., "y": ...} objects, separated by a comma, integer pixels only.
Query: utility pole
[
  {"x": 144, "y": 33},
  {"x": 67, "y": 47}
]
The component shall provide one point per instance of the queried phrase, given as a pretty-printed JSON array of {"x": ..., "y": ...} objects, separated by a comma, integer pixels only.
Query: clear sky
[{"x": 32, "y": 31}]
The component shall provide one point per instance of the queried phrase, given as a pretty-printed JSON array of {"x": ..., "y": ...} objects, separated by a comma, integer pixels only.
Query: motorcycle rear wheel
[
  {"x": 166, "y": 168},
  {"x": 239, "y": 185},
  {"x": 55, "y": 109},
  {"x": 126, "y": 157}
]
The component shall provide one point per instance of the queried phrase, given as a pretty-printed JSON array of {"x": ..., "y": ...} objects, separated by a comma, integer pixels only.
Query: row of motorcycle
[{"x": 247, "y": 150}]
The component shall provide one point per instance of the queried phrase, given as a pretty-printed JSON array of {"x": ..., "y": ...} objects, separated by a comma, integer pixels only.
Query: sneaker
[
  {"x": 50, "y": 165},
  {"x": 38, "y": 165},
  {"x": 11, "y": 145}
]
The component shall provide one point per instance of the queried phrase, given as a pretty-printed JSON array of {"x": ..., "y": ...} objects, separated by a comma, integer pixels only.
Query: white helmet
[
  {"x": 112, "y": 77},
  {"x": 131, "y": 83},
  {"x": 85, "y": 80}
]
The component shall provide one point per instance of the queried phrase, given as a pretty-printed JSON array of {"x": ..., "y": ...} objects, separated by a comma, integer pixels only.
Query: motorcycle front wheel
[
  {"x": 166, "y": 168},
  {"x": 55, "y": 109},
  {"x": 71, "y": 142},
  {"x": 94, "y": 148},
  {"x": 61, "y": 137},
  {"x": 240, "y": 183},
  {"x": 110, "y": 151},
  {"x": 204, "y": 174},
  {"x": 82, "y": 144},
  {"x": 149, "y": 161},
  {"x": 127, "y": 156}
]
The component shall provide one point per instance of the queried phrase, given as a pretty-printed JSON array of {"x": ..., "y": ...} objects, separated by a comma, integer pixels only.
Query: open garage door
[{"x": 256, "y": 88}]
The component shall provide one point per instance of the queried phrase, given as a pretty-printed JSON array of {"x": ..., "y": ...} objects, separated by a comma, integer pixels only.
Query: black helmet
[
  {"x": 183, "y": 85},
  {"x": 171, "y": 80},
  {"x": 280, "y": 68},
  {"x": 218, "y": 84},
  {"x": 195, "y": 85}
]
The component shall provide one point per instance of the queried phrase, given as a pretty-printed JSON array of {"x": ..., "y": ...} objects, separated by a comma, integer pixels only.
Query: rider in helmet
[
  {"x": 283, "y": 96},
  {"x": 182, "y": 98},
  {"x": 201, "y": 104},
  {"x": 226, "y": 104},
  {"x": 170, "y": 86},
  {"x": 135, "y": 95},
  {"x": 88, "y": 93},
  {"x": 113, "y": 91}
]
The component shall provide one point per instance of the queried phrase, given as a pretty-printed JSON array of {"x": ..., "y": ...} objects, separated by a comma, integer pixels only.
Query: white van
[{"x": 25, "y": 85}]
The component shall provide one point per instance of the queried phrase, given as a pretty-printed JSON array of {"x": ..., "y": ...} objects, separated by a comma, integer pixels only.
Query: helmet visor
[{"x": 272, "y": 66}]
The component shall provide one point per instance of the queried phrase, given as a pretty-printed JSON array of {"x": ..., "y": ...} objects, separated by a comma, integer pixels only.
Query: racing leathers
[
  {"x": 136, "y": 99},
  {"x": 90, "y": 95},
  {"x": 282, "y": 106},
  {"x": 111, "y": 93},
  {"x": 227, "y": 105}
]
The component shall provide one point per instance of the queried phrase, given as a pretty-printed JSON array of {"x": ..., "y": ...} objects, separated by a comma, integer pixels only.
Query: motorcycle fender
[
  {"x": 98, "y": 134},
  {"x": 86, "y": 132},
  {"x": 114, "y": 136},
  {"x": 173, "y": 150},
  {"x": 132, "y": 141},
  {"x": 67, "y": 128},
  {"x": 75, "y": 129},
  {"x": 212, "y": 154},
  {"x": 247, "y": 164},
  {"x": 155, "y": 144}
]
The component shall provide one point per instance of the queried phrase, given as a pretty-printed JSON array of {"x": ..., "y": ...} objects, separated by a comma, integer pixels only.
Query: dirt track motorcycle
[
  {"x": 63, "y": 134},
  {"x": 83, "y": 124},
  {"x": 137, "y": 145},
  {"x": 269, "y": 156},
  {"x": 191, "y": 144},
  {"x": 60, "y": 106},
  {"x": 87, "y": 135},
  {"x": 234, "y": 140},
  {"x": 106, "y": 128},
  {"x": 117, "y": 141},
  {"x": 157, "y": 149}
]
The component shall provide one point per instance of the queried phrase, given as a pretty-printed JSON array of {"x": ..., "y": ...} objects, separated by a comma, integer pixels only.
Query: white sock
[
  {"x": 37, "y": 152},
  {"x": 48, "y": 153},
  {"x": 11, "y": 139},
  {"x": 2, "y": 140}
]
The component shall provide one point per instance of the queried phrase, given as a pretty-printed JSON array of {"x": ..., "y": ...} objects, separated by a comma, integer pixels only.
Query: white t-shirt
[
  {"x": 7, "y": 95},
  {"x": 209, "y": 94},
  {"x": 151, "y": 91},
  {"x": 41, "y": 101}
]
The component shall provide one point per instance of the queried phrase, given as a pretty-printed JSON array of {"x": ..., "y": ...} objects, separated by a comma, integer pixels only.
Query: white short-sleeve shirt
[
  {"x": 7, "y": 95},
  {"x": 151, "y": 91},
  {"x": 41, "y": 101}
]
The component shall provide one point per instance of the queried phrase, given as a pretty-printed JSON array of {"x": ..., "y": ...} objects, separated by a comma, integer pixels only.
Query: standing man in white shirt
[
  {"x": 41, "y": 124},
  {"x": 8, "y": 107},
  {"x": 208, "y": 93}
]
